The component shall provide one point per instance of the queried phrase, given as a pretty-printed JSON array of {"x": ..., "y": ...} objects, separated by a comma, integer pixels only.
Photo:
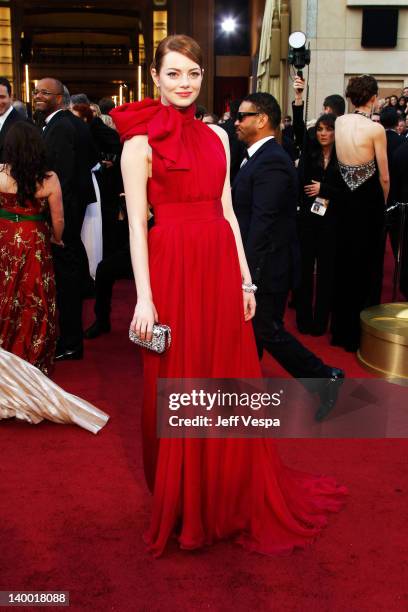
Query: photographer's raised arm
[{"x": 299, "y": 127}]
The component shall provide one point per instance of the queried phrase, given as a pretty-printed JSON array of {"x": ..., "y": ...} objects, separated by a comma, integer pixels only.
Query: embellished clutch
[{"x": 161, "y": 338}]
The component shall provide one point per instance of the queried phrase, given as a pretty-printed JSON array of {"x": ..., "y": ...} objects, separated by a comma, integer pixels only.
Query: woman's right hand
[
  {"x": 143, "y": 319},
  {"x": 55, "y": 241}
]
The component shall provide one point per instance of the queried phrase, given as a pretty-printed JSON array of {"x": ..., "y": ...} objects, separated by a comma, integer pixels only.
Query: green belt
[{"x": 16, "y": 217}]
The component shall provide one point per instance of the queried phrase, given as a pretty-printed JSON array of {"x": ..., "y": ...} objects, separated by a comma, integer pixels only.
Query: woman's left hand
[
  {"x": 312, "y": 190},
  {"x": 249, "y": 305}
]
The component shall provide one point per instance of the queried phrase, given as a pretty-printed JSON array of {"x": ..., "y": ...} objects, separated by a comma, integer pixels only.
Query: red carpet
[{"x": 74, "y": 506}]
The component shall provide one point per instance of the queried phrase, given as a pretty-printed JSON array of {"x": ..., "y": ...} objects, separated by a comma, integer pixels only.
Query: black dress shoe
[
  {"x": 304, "y": 327},
  {"x": 329, "y": 392},
  {"x": 69, "y": 354},
  {"x": 97, "y": 329}
]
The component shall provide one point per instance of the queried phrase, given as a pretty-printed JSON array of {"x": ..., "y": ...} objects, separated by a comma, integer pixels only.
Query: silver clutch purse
[{"x": 161, "y": 338}]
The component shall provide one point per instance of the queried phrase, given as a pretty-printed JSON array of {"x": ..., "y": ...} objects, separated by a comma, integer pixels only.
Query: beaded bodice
[{"x": 355, "y": 176}]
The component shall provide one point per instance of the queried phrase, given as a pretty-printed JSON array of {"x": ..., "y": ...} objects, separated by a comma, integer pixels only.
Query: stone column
[{"x": 16, "y": 29}]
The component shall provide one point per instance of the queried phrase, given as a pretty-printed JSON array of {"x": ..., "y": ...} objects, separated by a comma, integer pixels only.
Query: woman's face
[
  {"x": 393, "y": 100},
  {"x": 324, "y": 134},
  {"x": 179, "y": 80},
  {"x": 402, "y": 102}
]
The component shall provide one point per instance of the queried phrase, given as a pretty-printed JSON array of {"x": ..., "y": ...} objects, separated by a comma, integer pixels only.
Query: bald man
[{"x": 63, "y": 145}]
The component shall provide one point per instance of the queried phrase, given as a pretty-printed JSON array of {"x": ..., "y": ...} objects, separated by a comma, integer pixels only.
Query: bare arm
[
  {"x": 380, "y": 149},
  {"x": 54, "y": 195},
  {"x": 135, "y": 170},
  {"x": 249, "y": 300}
]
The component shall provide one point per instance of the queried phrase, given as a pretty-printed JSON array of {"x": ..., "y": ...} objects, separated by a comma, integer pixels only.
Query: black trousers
[
  {"x": 317, "y": 240},
  {"x": 109, "y": 270},
  {"x": 67, "y": 265},
  {"x": 271, "y": 335},
  {"x": 393, "y": 226}
]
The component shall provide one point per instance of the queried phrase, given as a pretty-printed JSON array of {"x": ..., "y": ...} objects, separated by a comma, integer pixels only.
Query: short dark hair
[
  {"x": 288, "y": 117},
  {"x": 6, "y": 83},
  {"x": 389, "y": 118},
  {"x": 361, "y": 89},
  {"x": 106, "y": 104},
  {"x": 80, "y": 98},
  {"x": 234, "y": 108},
  {"x": 336, "y": 103},
  {"x": 265, "y": 103}
]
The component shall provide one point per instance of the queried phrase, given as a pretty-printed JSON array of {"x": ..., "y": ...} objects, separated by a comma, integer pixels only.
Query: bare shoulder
[
  {"x": 49, "y": 184},
  {"x": 137, "y": 144},
  {"x": 221, "y": 133},
  {"x": 51, "y": 177},
  {"x": 377, "y": 129}
]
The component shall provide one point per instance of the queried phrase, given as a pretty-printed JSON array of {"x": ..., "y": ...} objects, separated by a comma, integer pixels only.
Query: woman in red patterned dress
[
  {"x": 28, "y": 192},
  {"x": 191, "y": 273}
]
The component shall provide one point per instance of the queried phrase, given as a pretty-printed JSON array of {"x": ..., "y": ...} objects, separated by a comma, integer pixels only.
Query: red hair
[
  {"x": 181, "y": 44},
  {"x": 84, "y": 111}
]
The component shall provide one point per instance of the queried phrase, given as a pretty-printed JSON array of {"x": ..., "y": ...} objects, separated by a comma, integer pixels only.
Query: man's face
[
  {"x": 5, "y": 100},
  {"x": 246, "y": 126},
  {"x": 375, "y": 117},
  {"x": 401, "y": 126},
  {"x": 46, "y": 97},
  {"x": 405, "y": 92}
]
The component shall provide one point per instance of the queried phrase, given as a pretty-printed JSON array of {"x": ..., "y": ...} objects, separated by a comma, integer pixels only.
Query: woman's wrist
[{"x": 249, "y": 287}]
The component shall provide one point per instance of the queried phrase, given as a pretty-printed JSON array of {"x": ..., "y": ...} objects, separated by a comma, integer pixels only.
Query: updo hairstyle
[
  {"x": 361, "y": 89},
  {"x": 181, "y": 44}
]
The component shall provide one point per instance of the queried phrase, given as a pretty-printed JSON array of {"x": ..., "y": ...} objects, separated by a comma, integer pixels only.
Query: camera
[{"x": 298, "y": 55}]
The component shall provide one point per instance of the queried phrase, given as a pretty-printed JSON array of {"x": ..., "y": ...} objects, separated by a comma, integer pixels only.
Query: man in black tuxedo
[
  {"x": 8, "y": 114},
  {"x": 264, "y": 195},
  {"x": 63, "y": 149},
  {"x": 399, "y": 185}
]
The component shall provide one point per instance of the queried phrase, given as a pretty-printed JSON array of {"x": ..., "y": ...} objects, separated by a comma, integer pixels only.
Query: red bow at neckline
[{"x": 163, "y": 126}]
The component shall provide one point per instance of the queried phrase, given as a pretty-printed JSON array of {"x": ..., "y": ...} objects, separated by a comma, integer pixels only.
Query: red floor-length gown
[
  {"x": 218, "y": 488},
  {"x": 27, "y": 283}
]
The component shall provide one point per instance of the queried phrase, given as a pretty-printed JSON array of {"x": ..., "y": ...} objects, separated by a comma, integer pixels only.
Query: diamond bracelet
[{"x": 249, "y": 287}]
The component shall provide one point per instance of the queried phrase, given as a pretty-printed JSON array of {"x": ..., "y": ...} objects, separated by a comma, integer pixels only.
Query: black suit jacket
[
  {"x": 264, "y": 195},
  {"x": 399, "y": 174},
  {"x": 87, "y": 157},
  {"x": 62, "y": 144},
  {"x": 13, "y": 117},
  {"x": 394, "y": 141}
]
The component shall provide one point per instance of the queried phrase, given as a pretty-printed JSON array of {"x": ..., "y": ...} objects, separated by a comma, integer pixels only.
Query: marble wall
[{"x": 334, "y": 30}]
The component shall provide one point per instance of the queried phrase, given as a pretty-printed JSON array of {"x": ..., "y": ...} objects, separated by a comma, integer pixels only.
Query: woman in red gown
[
  {"x": 27, "y": 285},
  {"x": 189, "y": 274}
]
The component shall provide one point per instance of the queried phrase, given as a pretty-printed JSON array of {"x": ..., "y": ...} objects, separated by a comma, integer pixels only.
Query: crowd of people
[
  {"x": 216, "y": 213},
  {"x": 80, "y": 150},
  {"x": 65, "y": 156}
]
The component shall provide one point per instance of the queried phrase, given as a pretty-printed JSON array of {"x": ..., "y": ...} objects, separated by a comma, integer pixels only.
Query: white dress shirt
[
  {"x": 4, "y": 116},
  {"x": 48, "y": 119},
  {"x": 253, "y": 148}
]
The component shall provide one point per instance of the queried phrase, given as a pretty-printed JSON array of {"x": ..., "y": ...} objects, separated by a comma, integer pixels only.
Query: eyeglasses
[
  {"x": 241, "y": 116},
  {"x": 44, "y": 92}
]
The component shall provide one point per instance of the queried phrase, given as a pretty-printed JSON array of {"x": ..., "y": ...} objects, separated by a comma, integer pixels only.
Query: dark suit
[
  {"x": 88, "y": 157},
  {"x": 13, "y": 117},
  {"x": 110, "y": 183},
  {"x": 399, "y": 182},
  {"x": 63, "y": 150},
  {"x": 264, "y": 196}
]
